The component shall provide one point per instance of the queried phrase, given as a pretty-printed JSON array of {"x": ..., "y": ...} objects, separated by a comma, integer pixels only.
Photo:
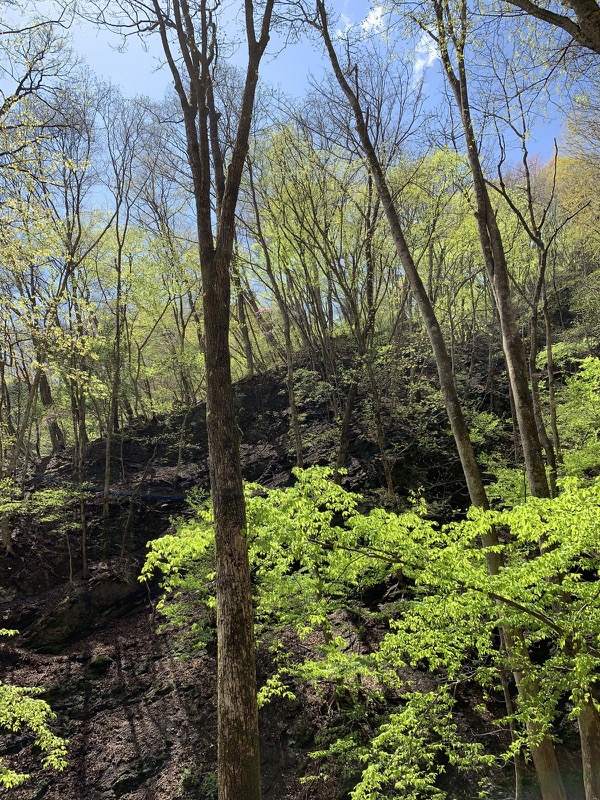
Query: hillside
[{"x": 141, "y": 719}]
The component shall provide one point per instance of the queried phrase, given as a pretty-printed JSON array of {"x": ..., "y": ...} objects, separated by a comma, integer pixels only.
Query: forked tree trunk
[
  {"x": 237, "y": 708},
  {"x": 548, "y": 774},
  {"x": 543, "y": 753}
]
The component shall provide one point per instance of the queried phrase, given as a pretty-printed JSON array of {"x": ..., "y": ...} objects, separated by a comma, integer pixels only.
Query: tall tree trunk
[
  {"x": 551, "y": 382},
  {"x": 589, "y": 733},
  {"x": 16, "y": 451},
  {"x": 239, "y": 774},
  {"x": 57, "y": 437},
  {"x": 549, "y": 774},
  {"x": 25, "y": 422},
  {"x": 543, "y": 753},
  {"x": 454, "y": 33},
  {"x": 492, "y": 249},
  {"x": 444, "y": 365},
  {"x": 81, "y": 442},
  {"x": 537, "y": 403},
  {"x": 237, "y": 708}
]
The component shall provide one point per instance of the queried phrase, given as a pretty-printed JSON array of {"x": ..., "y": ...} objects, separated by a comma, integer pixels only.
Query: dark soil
[{"x": 141, "y": 723}]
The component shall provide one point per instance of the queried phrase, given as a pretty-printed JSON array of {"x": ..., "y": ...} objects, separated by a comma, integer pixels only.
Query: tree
[
  {"x": 314, "y": 553},
  {"x": 191, "y": 38},
  {"x": 450, "y": 30},
  {"x": 582, "y": 25},
  {"x": 33, "y": 57},
  {"x": 443, "y": 362}
]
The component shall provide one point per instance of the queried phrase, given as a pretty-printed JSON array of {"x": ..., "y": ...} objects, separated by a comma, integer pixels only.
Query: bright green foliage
[
  {"x": 10, "y": 502},
  {"x": 313, "y": 553},
  {"x": 403, "y": 758},
  {"x": 548, "y": 588},
  {"x": 22, "y": 709},
  {"x": 186, "y": 562},
  {"x": 579, "y": 418},
  {"x": 547, "y": 592},
  {"x": 305, "y": 557},
  {"x": 510, "y": 485},
  {"x": 305, "y": 565}
]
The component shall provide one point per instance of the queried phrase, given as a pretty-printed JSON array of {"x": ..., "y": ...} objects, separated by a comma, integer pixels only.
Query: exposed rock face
[
  {"x": 88, "y": 606},
  {"x": 139, "y": 722}
]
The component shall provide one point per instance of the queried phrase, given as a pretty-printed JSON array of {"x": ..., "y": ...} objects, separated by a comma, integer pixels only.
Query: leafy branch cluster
[
  {"x": 22, "y": 711},
  {"x": 313, "y": 554}
]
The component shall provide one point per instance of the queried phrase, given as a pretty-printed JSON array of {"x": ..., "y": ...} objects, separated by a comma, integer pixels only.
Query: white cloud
[
  {"x": 347, "y": 23},
  {"x": 374, "y": 21},
  {"x": 426, "y": 53}
]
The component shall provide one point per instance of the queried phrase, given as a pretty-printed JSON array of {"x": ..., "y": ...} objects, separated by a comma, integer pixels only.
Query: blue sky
[{"x": 139, "y": 71}]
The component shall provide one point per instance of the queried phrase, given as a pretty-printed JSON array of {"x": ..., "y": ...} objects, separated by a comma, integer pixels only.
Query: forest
[{"x": 300, "y": 403}]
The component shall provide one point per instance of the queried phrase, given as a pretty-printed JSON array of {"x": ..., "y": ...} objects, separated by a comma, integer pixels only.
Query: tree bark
[
  {"x": 455, "y": 32},
  {"x": 584, "y": 29},
  {"x": 494, "y": 258},
  {"x": 589, "y": 732},
  {"x": 239, "y": 771},
  {"x": 113, "y": 409},
  {"x": 237, "y": 708}
]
